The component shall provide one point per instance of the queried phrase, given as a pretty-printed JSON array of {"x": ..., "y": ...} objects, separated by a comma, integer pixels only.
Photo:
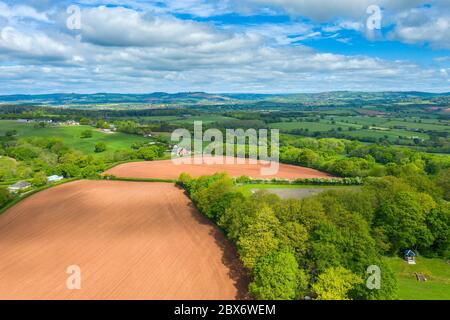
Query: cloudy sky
[{"x": 271, "y": 46}]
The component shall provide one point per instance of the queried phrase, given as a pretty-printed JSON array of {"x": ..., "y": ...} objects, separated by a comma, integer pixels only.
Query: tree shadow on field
[{"x": 230, "y": 257}]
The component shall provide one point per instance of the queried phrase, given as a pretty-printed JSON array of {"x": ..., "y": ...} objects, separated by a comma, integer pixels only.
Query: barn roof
[{"x": 21, "y": 185}]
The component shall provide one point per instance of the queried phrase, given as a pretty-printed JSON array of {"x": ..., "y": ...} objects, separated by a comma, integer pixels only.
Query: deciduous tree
[{"x": 278, "y": 277}]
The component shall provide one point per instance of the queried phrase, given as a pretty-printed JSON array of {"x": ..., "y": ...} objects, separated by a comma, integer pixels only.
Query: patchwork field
[
  {"x": 71, "y": 135},
  {"x": 380, "y": 130},
  {"x": 166, "y": 169},
  {"x": 131, "y": 241}
]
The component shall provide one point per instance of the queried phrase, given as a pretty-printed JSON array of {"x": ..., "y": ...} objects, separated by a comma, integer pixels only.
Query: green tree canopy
[
  {"x": 39, "y": 179},
  {"x": 259, "y": 237},
  {"x": 86, "y": 134},
  {"x": 403, "y": 217},
  {"x": 335, "y": 284},
  {"x": 278, "y": 277},
  {"x": 100, "y": 147},
  {"x": 5, "y": 196}
]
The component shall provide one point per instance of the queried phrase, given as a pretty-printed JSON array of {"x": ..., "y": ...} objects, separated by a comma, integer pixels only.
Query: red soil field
[
  {"x": 166, "y": 169},
  {"x": 131, "y": 240}
]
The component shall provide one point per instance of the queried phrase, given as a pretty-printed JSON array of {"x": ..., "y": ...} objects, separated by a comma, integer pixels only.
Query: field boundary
[
  {"x": 299, "y": 182},
  {"x": 26, "y": 195},
  {"x": 109, "y": 166},
  {"x": 150, "y": 180}
]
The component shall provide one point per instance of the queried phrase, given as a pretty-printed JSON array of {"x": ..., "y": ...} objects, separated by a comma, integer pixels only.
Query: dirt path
[
  {"x": 131, "y": 241},
  {"x": 168, "y": 170}
]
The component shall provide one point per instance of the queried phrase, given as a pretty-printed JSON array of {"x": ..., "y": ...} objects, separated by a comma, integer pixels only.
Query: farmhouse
[
  {"x": 21, "y": 185},
  {"x": 180, "y": 152}
]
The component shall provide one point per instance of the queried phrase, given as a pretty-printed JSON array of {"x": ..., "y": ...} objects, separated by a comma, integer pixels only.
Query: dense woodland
[
  {"x": 322, "y": 246},
  {"x": 354, "y": 159}
]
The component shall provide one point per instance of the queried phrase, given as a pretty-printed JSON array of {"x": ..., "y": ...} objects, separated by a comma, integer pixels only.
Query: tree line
[
  {"x": 322, "y": 246},
  {"x": 354, "y": 159}
]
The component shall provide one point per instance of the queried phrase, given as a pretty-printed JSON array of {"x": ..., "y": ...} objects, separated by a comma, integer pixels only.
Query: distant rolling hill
[
  {"x": 104, "y": 98},
  {"x": 203, "y": 98}
]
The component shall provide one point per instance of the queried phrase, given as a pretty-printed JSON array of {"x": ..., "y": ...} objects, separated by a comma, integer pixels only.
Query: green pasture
[
  {"x": 437, "y": 271},
  {"x": 70, "y": 135},
  {"x": 246, "y": 189}
]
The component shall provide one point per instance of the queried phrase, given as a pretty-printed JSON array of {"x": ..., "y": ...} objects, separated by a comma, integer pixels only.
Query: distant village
[{"x": 180, "y": 151}]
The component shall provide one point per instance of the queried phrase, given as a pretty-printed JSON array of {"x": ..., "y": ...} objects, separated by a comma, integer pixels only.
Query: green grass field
[
  {"x": 311, "y": 126},
  {"x": 360, "y": 120},
  {"x": 380, "y": 131},
  {"x": 207, "y": 118},
  {"x": 414, "y": 125},
  {"x": 410, "y": 124},
  {"x": 391, "y": 134},
  {"x": 204, "y": 118},
  {"x": 70, "y": 135},
  {"x": 246, "y": 189},
  {"x": 436, "y": 270},
  {"x": 160, "y": 118}
]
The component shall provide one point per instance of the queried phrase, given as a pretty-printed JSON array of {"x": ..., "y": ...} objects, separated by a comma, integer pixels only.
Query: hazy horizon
[{"x": 223, "y": 93}]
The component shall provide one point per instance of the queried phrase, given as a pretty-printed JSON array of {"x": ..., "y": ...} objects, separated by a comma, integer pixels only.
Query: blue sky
[{"x": 263, "y": 46}]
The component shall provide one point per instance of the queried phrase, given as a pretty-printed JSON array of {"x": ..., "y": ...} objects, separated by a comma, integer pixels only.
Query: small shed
[
  {"x": 410, "y": 257},
  {"x": 21, "y": 185}
]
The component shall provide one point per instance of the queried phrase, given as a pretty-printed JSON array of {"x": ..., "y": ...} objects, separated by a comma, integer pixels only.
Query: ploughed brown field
[
  {"x": 166, "y": 169},
  {"x": 131, "y": 240}
]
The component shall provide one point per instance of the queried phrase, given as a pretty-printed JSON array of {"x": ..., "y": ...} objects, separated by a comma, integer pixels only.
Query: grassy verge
[
  {"x": 437, "y": 271},
  {"x": 109, "y": 166},
  {"x": 113, "y": 178}
]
